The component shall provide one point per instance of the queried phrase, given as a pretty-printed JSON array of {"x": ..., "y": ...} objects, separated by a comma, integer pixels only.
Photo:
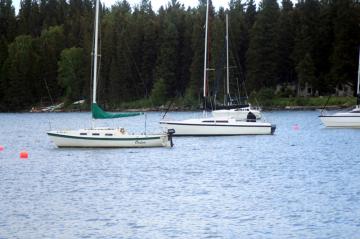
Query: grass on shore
[
  {"x": 275, "y": 102},
  {"x": 336, "y": 101}
]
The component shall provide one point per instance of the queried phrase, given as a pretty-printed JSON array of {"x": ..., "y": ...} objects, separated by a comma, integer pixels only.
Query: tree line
[{"x": 45, "y": 50}]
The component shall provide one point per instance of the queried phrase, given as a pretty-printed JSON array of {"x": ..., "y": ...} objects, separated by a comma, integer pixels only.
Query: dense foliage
[{"x": 45, "y": 50}]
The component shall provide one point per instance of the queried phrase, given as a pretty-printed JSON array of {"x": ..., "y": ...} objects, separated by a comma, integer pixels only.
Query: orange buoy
[
  {"x": 1, "y": 148},
  {"x": 24, "y": 155}
]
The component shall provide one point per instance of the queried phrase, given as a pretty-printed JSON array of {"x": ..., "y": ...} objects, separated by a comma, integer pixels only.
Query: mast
[
  {"x": 227, "y": 60},
  {"x": 358, "y": 83},
  {"x": 206, "y": 46},
  {"x": 95, "y": 53}
]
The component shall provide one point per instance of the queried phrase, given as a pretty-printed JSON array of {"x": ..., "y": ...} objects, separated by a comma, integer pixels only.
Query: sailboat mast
[
  {"x": 95, "y": 53},
  {"x": 227, "y": 60},
  {"x": 206, "y": 46},
  {"x": 358, "y": 81}
]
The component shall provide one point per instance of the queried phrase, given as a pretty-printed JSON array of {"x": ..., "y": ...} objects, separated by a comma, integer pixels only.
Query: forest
[{"x": 154, "y": 56}]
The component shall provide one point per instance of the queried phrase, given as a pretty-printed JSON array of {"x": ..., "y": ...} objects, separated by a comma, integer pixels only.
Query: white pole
[
  {"x": 95, "y": 54},
  {"x": 227, "y": 58},
  {"x": 205, "y": 54},
  {"x": 358, "y": 82}
]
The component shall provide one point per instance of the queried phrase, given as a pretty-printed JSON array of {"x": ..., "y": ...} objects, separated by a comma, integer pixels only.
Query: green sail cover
[{"x": 98, "y": 113}]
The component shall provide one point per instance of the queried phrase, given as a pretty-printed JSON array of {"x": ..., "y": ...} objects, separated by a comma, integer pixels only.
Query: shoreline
[{"x": 188, "y": 109}]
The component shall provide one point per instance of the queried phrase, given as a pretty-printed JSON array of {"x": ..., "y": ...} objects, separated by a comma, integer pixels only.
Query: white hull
[
  {"x": 216, "y": 126},
  {"x": 107, "y": 138},
  {"x": 341, "y": 121},
  {"x": 349, "y": 119},
  {"x": 238, "y": 114}
]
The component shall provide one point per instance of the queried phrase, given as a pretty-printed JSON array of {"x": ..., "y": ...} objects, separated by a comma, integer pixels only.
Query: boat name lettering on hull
[{"x": 140, "y": 142}]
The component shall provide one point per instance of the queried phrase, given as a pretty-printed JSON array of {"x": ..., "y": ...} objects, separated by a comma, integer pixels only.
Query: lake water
[{"x": 298, "y": 183}]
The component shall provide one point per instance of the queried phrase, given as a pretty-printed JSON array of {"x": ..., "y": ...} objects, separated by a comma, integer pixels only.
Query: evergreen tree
[
  {"x": 7, "y": 21},
  {"x": 7, "y": 34},
  {"x": 120, "y": 74},
  {"x": 307, "y": 36},
  {"x": 143, "y": 53},
  {"x": 166, "y": 62},
  {"x": 108, "y": 49},
  {"x": 344, "y": 59},
  {"x": 286, "y": 41},
  {"x": 52, "y": 42},
  {"x": 21, "y": 77},
  {"x": 194, "y": 89},
  {"x": 149, "y": 49},
  {"x": 306, "y": 73},
  {"x": 29, "y": 18},
  {"x": 325, "y": 46},
  {"x": 238, "y": 34},
  {"x": 262, "y": 55}
]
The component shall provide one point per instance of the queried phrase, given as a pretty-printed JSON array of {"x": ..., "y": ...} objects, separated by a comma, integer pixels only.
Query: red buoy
[
  {"x": 24, "y": 155},
  {"x": 1, "y": 148}
]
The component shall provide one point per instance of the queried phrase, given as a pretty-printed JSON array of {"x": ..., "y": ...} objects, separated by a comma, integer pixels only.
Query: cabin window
[
  {"x": 83, "y": 133},
  {"x": 208, "y": 121},
  {"x": 108, "y": 134},
  {"x": 95, "y": 134}
]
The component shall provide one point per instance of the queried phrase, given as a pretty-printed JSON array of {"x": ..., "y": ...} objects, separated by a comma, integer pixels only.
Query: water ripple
[{"x": 294, "y": 184}]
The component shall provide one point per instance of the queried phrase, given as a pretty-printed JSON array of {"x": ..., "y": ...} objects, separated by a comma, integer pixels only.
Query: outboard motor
[
  {"x": 170, "y": 134},
  {"x": 251, "y": 117}
]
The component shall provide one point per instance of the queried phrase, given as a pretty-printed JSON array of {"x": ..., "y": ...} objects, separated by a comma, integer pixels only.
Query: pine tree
[
  {"x": 193, "y": 91},
  {"x": 306, "y": 73},
  {"x": 29, "y": 18},
  {"x": 307, "y": 17},
  {"x": 149, "y": 49},
  {"x": 286, "y": 41},
  {"x": 7, "y": 20},
  {"x": 166, "y": 64},
  {"x": 325, "y": 46},
  {"x": 262, "y": 55},
  {"x": 344, "y": 57},
  {"x": 120, "y": 75}
]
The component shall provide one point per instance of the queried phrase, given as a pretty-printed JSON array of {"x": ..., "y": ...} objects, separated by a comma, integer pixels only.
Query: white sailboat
[
  {"x": 349, "y": 119},
  {"x": 106, "y": 137},
  {"x": 236, "y": 112},
  {"x": 220, "y": 126}
]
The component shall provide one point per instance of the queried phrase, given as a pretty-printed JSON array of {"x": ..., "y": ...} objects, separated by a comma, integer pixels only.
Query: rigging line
[
  {"x": 237, "y": 83},
  {"x": 129, "y": 56},
  {"x": 137, "y": 70},
  {"x": 247, "y": 96},
  {"x": 48, "y": 90},
  {"x": 337, "y": 82},
  {"x": 327, "y": 101},
  {"x": 241, "y": 71},
  {"x": 219, "y": 72},
  {"x": 168, "y": 108},
  {"x": 237, "y": 63}
]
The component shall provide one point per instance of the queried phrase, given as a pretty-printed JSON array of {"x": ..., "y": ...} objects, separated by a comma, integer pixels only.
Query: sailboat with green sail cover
[{"x": 103, "y": 136}]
